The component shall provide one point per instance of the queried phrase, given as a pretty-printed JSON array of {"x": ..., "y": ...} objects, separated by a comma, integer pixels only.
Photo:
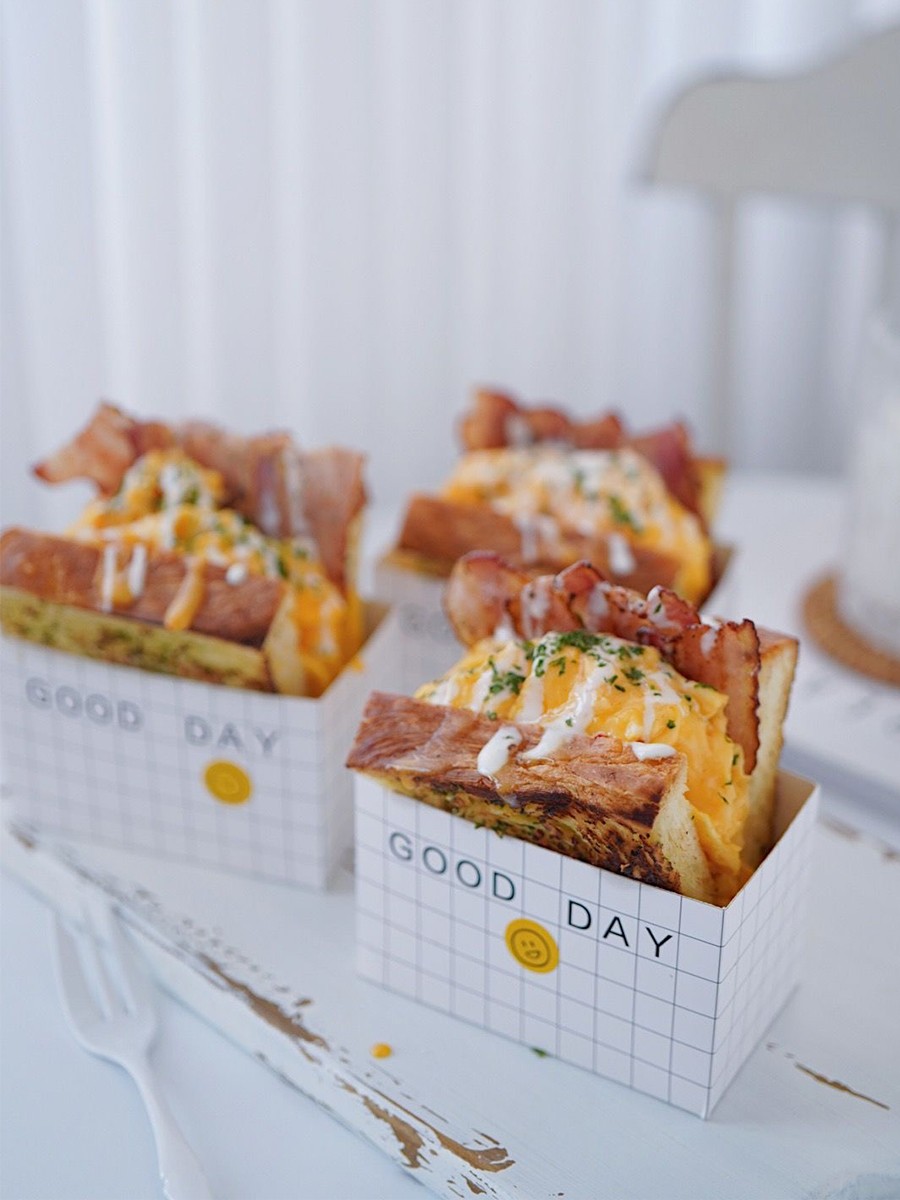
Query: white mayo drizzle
[
  {"x": 537, "y": 530},
  {"x": 269, "y": 517},
  {"x": 646, "y": 750},
  {"x": 598, "y": 605},
  {"x": 668, "y": 695},
  {"x": 572, "y": 718},
  {"x": 445, "y": 692},
  {"x": 236, "y": 573},
  {"x": 293, "y": 486},
  {"x": 711, "y": 621},
  {"x": 504, "y": 631},
  {"x": 137, "y": 570},
  {"x": 529, "y": 531},
  {"x": 171, "y": 482},
  {"x": 167, "y": 529},
  {"x": 494, "y": 754},
  {"x": 327, "y": 643},
  {"x": 621, "y": 560},
  {"x": 708, "y": 642},
  {"x": 656, "y": 613},
  {"x": 517, "y": 431},
  {"x": 108, "y": 579},
  {"x": 535, "y": 606},
  {"x": 531, "y": 699},
  {"x": 505, "y": 658}
]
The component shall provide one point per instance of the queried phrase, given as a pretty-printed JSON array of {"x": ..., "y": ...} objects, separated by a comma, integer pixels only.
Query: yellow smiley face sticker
[
  {"x": 228, "y": 782},
  {"x": 532, "y": 946}
]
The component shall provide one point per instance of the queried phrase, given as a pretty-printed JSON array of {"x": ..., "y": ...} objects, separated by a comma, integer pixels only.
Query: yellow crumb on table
[{"x": 381, "y": 1050}]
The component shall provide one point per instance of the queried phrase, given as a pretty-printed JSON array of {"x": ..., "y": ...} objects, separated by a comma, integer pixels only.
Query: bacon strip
[
  {"x": 104, "y": 450},
  {"x": 283, "y": 490},
  {"x": 484, "y": 592},
  {"x": 497, "y": 420}
]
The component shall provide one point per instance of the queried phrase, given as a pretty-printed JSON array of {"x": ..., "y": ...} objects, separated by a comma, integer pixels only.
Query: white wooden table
[{"x": 815, "y": 1112}]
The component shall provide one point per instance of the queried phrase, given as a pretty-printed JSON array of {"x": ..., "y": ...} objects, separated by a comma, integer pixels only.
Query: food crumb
[{"x": 381, "y": 1050}]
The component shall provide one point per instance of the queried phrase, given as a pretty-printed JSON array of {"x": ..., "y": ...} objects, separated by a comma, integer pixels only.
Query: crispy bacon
[
  {"x": 104, "y": 450},
  {"x": 334, "y": 496},
  {"x": 485, "y": 593},
  {"x": 234, "y": 456},
  {"x": 496, "y": 420},
  {"x": 285, "y": 491},
  {"x": 669, "y": 450}
]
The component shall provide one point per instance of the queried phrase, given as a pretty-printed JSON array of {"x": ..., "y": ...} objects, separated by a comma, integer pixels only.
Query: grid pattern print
[
  {"x": 221, "y": 776},
  {"x": 428, "y": 645},
  {"x": 627, "y": 980}
]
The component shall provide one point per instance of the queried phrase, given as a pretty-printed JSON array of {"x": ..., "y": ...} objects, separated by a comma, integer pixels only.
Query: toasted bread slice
[
  {"x": 440, "y": 531},
  {"x": 778, "y": 662},
  {"x": 131, "y": 643},
  {"x": 70, "y": 572},
  {"x": 593, "y": 801}
]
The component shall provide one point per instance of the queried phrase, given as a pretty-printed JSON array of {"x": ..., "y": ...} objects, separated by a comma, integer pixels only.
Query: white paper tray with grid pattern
[
  {"x": 663, "y": 993},
  {"x": 213, "y": 775}
]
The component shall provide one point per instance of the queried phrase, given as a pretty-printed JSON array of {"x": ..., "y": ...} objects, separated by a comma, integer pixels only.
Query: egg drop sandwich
[
  {"x": 205, "y": 554},
  {"x": 614, "y": 728},
  {"x": 545, "y": 491}
]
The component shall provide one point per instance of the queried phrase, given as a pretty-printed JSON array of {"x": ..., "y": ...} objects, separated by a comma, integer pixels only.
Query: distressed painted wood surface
[{"x": 815, "y": 1108}]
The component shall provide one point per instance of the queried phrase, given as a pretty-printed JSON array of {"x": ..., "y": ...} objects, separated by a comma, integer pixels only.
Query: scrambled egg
[
  {"x": 612, "y": 493},
  {"x": 168, "y": 503},
  {"x": 596, "y": 683}
]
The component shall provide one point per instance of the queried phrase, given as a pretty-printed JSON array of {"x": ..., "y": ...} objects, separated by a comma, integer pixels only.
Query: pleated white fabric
[{"x": 338, "y": 214}]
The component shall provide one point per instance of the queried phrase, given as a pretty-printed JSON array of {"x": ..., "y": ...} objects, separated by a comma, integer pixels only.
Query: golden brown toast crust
[
  {"x": 593, "y": 801},
  {"x": 441, "y": 531},
  {"x": 69, "y": 572}
]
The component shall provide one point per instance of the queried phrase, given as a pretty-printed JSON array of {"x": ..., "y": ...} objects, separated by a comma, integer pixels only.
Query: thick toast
[{"x": 594, "y": 801}]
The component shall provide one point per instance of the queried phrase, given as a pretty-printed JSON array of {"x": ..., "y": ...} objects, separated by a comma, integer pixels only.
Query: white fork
[{"x": 121, "y": 1028}]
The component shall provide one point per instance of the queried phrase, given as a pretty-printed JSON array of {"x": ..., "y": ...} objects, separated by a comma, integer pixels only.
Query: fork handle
[{"x": 181, "y": 1174}]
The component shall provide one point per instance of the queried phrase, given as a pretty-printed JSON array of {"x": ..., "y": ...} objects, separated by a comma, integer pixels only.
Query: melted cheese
[
  {"x": 588, "y": 683},
  {"x": 614, "y": 494},
  {"x": 187, "y": 600},
  {"x": 169, "y": 504}
]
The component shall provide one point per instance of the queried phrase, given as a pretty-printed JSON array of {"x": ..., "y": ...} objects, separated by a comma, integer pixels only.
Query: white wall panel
[{"x": 337, "y": 215}]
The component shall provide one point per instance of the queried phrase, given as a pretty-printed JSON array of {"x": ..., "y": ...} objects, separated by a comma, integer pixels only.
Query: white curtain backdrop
[{"x": 338, "y": 214}]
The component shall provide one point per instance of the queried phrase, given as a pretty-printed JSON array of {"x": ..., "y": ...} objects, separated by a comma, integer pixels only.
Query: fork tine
[
  {"x": 137, "y": 986},
  {"x": 77, "y": 999},
  {"x": 110, "y": 1001}
]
